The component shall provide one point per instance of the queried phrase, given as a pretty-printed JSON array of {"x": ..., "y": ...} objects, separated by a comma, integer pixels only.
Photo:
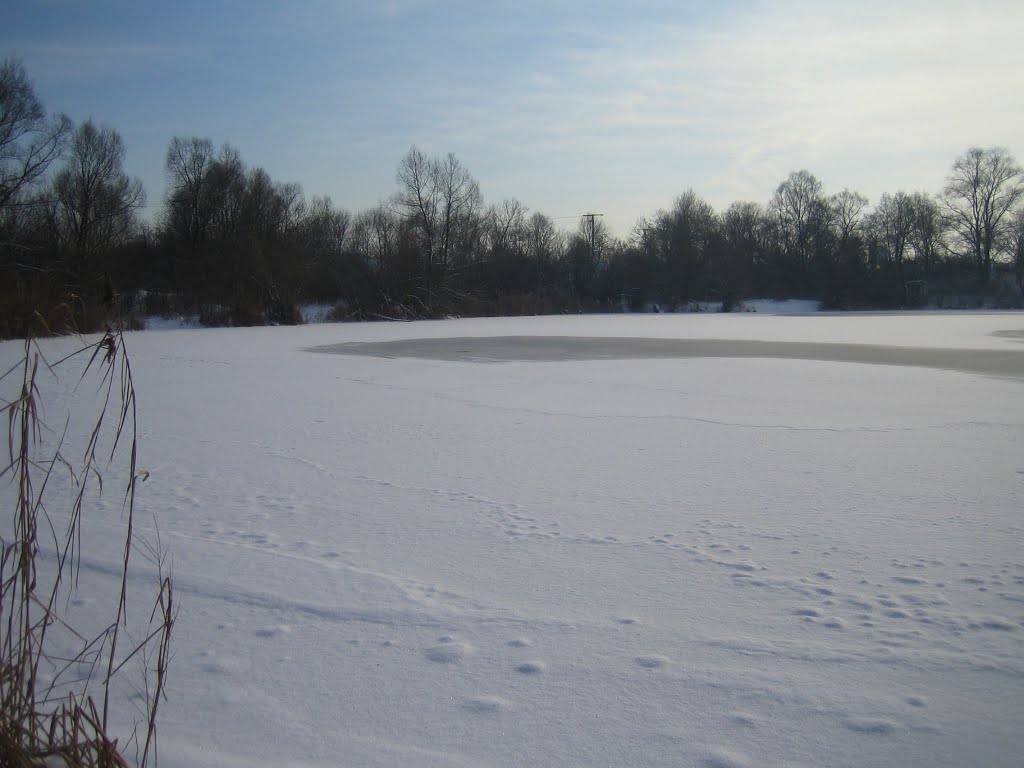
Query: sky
[{"x": 567, "y": 106}]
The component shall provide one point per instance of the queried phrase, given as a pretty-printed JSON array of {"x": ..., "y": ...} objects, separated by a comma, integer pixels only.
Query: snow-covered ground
[{"x": 685, "y": 562}]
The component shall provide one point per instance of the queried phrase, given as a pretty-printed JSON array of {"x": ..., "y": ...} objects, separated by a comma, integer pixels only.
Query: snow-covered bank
[{"x": 704, "y": 562}]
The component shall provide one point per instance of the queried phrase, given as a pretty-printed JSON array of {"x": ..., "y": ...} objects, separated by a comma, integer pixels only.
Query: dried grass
[{"x": 64, "y": 718}]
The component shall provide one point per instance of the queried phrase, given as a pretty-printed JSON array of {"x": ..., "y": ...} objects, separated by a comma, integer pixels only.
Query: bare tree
[
  {"x": 442, "y": 201},
  {"x": 804, "y": 216},
  {"x": 684, "y": 235},
  {"x": 325, "y": 229},
  {"x": 461, "y": 202},
  {"x": 893, "y": 225},
  {"x": 220, "y": 204},
  {"x": 747, "y": 232},
  {"x": 544, "y": 247},
  {"x": 927, "y": 231},
  {"x": 506, "y": 225},
  {"x": 847, "y": 214},
  {"x": 981, "y": 190},
  {"x": 29, "y": 142},
  {"x": 188, "y": 207},
  {"x": 418, "y": 199},
  {"x": 95, "y": 202},
  {"x": 375, "y": 236},
  {"x": 1016, "y": 245},
  {"x": 743, "y": 226}
]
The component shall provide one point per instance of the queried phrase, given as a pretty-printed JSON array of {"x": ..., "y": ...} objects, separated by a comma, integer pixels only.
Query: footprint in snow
[
  {"x": 874, "y": 727},
  {"x": 451, "y": 652},
  {"x": 717, "y": 757},
  {"x": 486, "y": 704},
  {"x": 653, "y": 661},
  {"x": 268, "y": 632},
  {"x": 909, "y": 580},
  {"x": 534, "y": 667},
  {"x": 745, "y": 719}
]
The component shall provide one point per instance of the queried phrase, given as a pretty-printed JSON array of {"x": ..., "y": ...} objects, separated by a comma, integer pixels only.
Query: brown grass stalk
[{"x": 60, "y": 718}]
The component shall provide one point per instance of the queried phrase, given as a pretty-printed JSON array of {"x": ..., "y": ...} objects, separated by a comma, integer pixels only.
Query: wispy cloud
[
  {"x": 754, "y": 93},
  {"x": 563, "y": 105}
]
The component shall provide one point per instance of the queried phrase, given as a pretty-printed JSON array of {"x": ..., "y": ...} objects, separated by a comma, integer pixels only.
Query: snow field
[{"x": 710, "y": 562}]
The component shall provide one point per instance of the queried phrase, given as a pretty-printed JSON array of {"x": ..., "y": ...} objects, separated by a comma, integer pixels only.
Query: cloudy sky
[{"x": 568, "y": 106}]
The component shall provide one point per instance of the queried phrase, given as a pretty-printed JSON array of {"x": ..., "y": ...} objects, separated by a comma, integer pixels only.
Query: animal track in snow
[
  {"x": 268, "y": 632},
  {"x": 719, "y": 757},
  {"x": 653, "y": 661},
  {"x": 486, "y": 704},
  {"x": 746, "y": 719},
  {"x": 449, "y": 651},
  {"x": 875, "y": 727}
]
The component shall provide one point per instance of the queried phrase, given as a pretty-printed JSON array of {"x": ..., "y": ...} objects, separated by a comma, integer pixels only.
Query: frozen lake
[{"x": 671, "y": 540}]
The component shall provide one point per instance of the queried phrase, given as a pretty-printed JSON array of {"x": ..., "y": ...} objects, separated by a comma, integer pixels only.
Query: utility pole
[{"x": 593, "y": 232}]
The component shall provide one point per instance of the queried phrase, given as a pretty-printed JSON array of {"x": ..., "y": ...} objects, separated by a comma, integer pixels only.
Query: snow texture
[{"x": 706, "y": 561}]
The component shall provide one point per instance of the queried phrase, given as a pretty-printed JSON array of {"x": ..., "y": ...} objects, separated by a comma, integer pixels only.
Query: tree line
[{"x": 235, "y": 247}]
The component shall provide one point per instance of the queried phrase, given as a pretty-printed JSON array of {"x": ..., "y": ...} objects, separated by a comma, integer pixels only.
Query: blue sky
[{"x": 567, "y": 106}]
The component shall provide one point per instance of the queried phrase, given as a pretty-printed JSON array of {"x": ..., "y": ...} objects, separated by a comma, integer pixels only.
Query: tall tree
[
  {"x": 927, "y": 231},
  {"x": 460, "y": 205},
  {"x": 187, "y": 164},
  {"x": 505, "y": 226},
  {"x": 96, "y": 203},
  {"x": 29, "y": 141},
  {"x": 893, "y": 225},
  {"x": 585, "y": 254},
  {"x": 804, "y": 217},
  {"x": 981, "y": 190},
  {"x": 544, "y": 246},
  {"x": 205, "y": 191},
  {"x": 744, "y": 228},
  {"x": 847, "y": 214},
  {"x": 442, "y": 201},
  {"x": 681, "y": 238},
  {"x": 1015, "y": 238}
]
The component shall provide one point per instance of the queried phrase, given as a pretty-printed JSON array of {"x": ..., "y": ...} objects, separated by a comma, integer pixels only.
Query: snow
[
  {"x": 174, "y": 323},
  {"x": 781, "y": 306},
  {"x": 704, "y": 561}
]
